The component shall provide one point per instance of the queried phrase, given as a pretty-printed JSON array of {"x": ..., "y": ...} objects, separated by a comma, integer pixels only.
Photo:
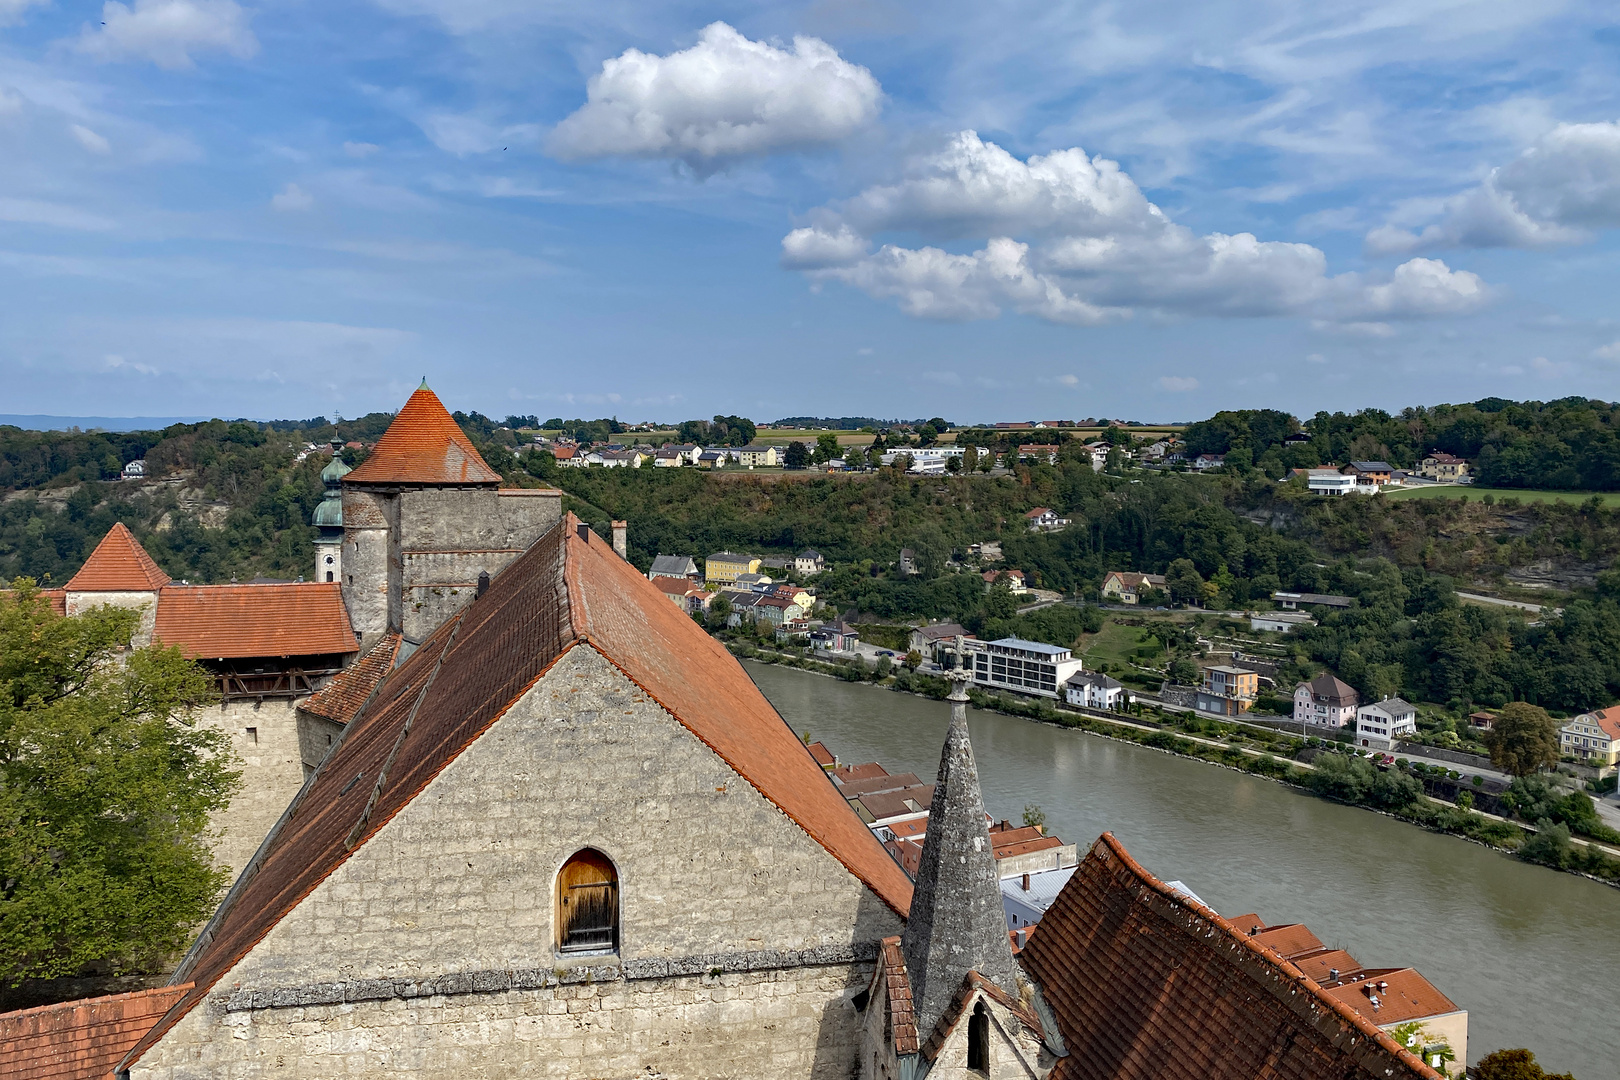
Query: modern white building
[
  {"x": 1330, "y": 482},
  {"x": 1280, "y": 622},
  {"x": 1379, "y": 726},
  {"x": 1027, "y": 667}
]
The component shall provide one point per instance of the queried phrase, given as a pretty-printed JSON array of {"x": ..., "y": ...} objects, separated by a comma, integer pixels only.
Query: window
[
  {"x": 252, "y": 734},
  {"x": 588, "y": 904},
  {"x": 978, "y": 1055},
  {"x": 329, "y": 575}
]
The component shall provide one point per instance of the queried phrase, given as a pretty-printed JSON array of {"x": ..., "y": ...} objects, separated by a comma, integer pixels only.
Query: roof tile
[
  {"x": 424, "y": 445},
  {"x": 285, "y": 619},
  {"x": 344, "y": 697},
  {"x": 119, "y": 564},
  {"x": 79, "y": 1040}
]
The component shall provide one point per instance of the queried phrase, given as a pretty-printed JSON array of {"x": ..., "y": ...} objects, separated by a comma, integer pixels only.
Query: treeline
[{"x": 1569, "y": 444}]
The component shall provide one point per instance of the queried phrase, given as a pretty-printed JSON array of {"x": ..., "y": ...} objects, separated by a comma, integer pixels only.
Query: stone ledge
[{"x": 489, "y": 982}]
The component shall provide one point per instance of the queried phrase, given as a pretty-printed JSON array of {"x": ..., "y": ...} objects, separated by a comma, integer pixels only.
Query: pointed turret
[
  {"x": 424, "y": 445},
  {"x": 119, "y": 564},
  {"x": 956, "y": 923}
]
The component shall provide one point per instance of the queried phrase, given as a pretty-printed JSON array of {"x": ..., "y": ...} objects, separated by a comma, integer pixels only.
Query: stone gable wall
[
  {"x": 272, "y": 773},
  {"x": 461, "y": 881}
]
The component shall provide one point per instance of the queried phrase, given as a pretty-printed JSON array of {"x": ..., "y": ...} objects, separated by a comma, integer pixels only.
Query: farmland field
[{"x": 1456, "y": 491}]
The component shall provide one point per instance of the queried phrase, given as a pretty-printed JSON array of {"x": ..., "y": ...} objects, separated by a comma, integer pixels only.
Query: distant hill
[{"x": 43, "y": 422}]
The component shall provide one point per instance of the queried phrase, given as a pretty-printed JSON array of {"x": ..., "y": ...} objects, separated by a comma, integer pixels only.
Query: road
[{"x": 1535, "y": 609}]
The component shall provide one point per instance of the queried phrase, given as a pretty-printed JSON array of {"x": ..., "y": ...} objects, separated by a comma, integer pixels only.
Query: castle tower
[
  {"x": 329, "y": 519},
  {"x": 956, "y": 924},
  {"x": 423, "y": 516}
]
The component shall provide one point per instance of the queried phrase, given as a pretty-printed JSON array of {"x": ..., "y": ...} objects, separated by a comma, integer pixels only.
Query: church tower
[
  {"x": 329, "y": 519},
  {"x": 957, "y": 924}
]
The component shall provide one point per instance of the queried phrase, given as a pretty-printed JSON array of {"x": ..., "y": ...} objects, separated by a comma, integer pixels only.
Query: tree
[
  {"x": 913, "y": 660},
  {"x": 970, "y": 458},
  {"x": 1523, "y": 740},
  {"x": 1514, "y": 1065},
  {"x": 106, "y": 787},
  {"x": 1185, "y": 672},
  {"x": 797, "y": 455},
  {"x": 1034, "y": 817},
  {"x": 1185, "y": 583},
  {"x": 719, "y": 612},
  {"x": 827, "y": 447}
]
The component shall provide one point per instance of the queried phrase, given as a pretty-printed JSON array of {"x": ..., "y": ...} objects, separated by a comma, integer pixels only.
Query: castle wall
[
  {"x": 144, "y": 602},
  {"x": 721, "y": 894},
  {"x": 316, "y": 737},
  {"x": 369, "y": 520},
  {"x": 271, "y": 773}
]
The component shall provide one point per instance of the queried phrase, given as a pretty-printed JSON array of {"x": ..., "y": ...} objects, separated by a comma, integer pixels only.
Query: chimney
[
  {"x": 584, "y": 532},
  {"x": 957, "y": 923},
  {"x": 619, "y": 545},
  {"x": 483, "y": 582},
  {"x": 1026, "y": 882},
  {"x": 1023, "y": 933}
]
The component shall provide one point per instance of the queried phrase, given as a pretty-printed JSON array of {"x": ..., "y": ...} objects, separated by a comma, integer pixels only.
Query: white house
[
  {"x": 135, "y": 470},
  {"x": 1325, "y": 702},
  {"x": 1025, "y": 898},
  {"x": 1029, "y": 667},
  {"x": 675, "y": 566},
  {"x": 1280, "y": 622},
  {"x": 1092, "y": 690},
  {"x": 1044, "y": 519},
  {"x": 1208, "y": 461},
  {"x": 1330, "y": 482},
  {"x": 1378, "y": 726},
  {"x": 809, "y": 561}
]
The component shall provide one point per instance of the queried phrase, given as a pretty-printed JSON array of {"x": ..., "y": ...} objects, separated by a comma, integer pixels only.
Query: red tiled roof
[
  {"x": 343, "y": 697},
  {"x": 824, "y": 757},
  {"x": 1289, "y": 940},
  {"x": 1607, "y": 719},
  {"x": 953, "y": 1013},
  {"x": 851, "y": 789},
  {"x": 1147, "y": 984},
  {"x": 1407, "y": 996},
  {"x": 119, "y": 564},
  {"x": 562, "y": 593},
  {"x": 290, "y": 619},
  {"x": 866, "y": 771},
  {"x": 57, "y": 598},
  {"x": 79, "y": 1040},
  {"x": 675, "y": 586},
  {"x": 423, "y": 445},
  {"x": 895, "y": 983},
  {"x": 1320, "y": 966}
]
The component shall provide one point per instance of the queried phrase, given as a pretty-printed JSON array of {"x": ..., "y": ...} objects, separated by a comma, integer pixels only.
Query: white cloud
[
  {"x": 1549, "y": 369},
  {"x": 1558, "y": 191},
  {"x": 724, "y": 98},
  {"x": 114, "y": 362},
  {"x": 1072, "y": 239},
  {"x": 167, "y": 32},
  {"x": 461, "y": 134},
  {"x": 360, "y": 149},
  {"x": 1608, "y": 352},
  {"x": 1315, "y": 358},
  {"x": 292, "y": 197},
  {"x": 35, "y": 212},
  {"x": 1069, "y": 380},
  {"x": 12, "y": 10},
  {"x": 88, "y": 139},
  {"x": 1178, "y": 383}
]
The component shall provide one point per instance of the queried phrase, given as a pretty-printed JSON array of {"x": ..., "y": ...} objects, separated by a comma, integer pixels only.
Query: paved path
[{"x": 1520, "y": 604}]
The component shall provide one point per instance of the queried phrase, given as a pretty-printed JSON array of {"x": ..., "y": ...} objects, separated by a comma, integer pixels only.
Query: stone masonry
[{"x": 460, "y": 882}]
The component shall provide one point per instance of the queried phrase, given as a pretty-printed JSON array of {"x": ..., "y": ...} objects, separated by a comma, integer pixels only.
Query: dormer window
[{"x": 588, "y": 904}]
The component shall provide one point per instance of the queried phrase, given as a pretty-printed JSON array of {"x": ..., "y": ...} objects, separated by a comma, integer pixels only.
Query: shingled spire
[{"x": 956, "y": 923}]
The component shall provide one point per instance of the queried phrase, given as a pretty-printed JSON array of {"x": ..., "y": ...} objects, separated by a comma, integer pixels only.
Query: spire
[
  {"x": 119, "y": 564},
  {"x": 956, "y": 924},
  {"x": 424, "y": 445}
]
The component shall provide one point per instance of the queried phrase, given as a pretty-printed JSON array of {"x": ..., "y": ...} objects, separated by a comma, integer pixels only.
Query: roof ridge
[{"x": 119, "y": 564}]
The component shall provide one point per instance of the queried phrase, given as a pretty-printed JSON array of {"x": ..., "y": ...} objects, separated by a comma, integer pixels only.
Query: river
[{"x": 1529, "y": 952}]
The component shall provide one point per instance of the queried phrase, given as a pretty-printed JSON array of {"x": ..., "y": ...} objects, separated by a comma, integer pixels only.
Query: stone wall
[
  {"x": 78, "y": 603},
  {"x": 461, "y": 881},
  {"x": 316, "y": 737},
  {"x": 272, "y": 773},
  {"x": 368, "y": 522}
]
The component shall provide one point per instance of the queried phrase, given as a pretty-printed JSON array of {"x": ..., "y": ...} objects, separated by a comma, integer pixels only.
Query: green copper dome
[
  {"x": 334, "y": 472},
  {"x": 329, "y": 515}
]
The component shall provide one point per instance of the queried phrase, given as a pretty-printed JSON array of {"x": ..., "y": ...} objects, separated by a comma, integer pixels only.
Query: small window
[
  {"x": 978, "y": 1056},
  {"x": 588, "y": 904},
  {"x": 329, "y": 575},
  {"x": 253, "y": 735}
]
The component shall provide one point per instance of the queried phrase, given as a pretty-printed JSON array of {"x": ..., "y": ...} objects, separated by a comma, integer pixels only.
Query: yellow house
[
  {"x": 726, "y": 566},
  {"x": 1593, "y": 736},
  {"x": 1442, "y": 466}
]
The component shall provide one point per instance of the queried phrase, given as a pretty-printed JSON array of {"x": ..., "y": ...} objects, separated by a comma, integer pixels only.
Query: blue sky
[{"x": 665, "y": 210}]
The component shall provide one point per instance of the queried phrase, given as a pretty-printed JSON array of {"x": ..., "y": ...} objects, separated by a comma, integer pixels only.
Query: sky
[{"x": 980, "y": 211}]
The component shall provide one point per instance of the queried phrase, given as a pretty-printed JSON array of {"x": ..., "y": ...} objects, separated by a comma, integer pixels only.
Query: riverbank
[{"x": 1350, "y": 781}]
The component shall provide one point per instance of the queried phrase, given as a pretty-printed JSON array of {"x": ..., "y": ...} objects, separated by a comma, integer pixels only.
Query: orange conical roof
[
  {"x": 119, "y": 564},
  {"x": 423, "y": 446}
]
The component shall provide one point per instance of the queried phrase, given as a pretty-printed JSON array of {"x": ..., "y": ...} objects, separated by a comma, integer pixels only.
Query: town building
[
  {"x": 684, "y": 593},
  {"x": 1290, "y": 601},
  {"x": 1038, "y": 453},
  {"x": 713, "y": 459},
  {"x": 1278, "y": 622},
  {"x": 1204, "y": 462},
  {"x": 1326, "y": 702},
  {"x": 1382, "y": 724},
  {"x": 134, "y": 470},
  {"x": 935, "y": 638},
  {"x": 1592, "y": 736},
  {"x": 724, "y": 567},
  {"x": 1126, "y": 587},
  {"x": 1330, "y": 482},
  {"x": 1027, "y": 667},
  {"x": 1043, "y": 519},
  {"x": 1013, "y": 579},
  {"x": 1444, "y": 468},
  {"x": 1093, "y": 690},
  {"x": 834, "y": 637},
  {"x": 809, "y": 562},
  {"x": 1370, "y": 475},
  {"x": 1026, "y": 897},
  {"x": 1227, "y": 691},
  {"x": 677, "y": 566},
  {"x": 758, "y": 456}
]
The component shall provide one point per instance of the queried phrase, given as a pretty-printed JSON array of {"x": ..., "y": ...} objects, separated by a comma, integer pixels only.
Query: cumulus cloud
[
  {"x": 88, "y": 139},
  {"x": 724, "y": 98},
  {"x": 292, "y": 198},
  {"x": 1559, "y": 191},
  {"x": 1608, "y": 352},
  {"x": 1178, "y": 383},
  {"x": 1072, "y": 239},
  {"x": 12, "y": 10},
  {"x": 167, "y": 32}
]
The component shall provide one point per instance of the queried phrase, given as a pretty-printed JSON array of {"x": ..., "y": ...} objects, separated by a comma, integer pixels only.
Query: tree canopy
[
  {"x": 106, "y": 787},
  {"x": 1523, "y": 739}
]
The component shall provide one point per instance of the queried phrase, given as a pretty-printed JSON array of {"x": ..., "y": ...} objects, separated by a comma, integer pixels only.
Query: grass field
[
  {"x": 1114, "y": 643},
  {"x": 1469, "y": 491}
]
